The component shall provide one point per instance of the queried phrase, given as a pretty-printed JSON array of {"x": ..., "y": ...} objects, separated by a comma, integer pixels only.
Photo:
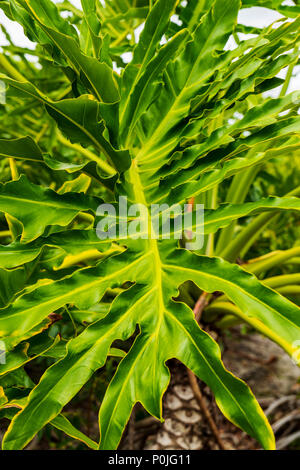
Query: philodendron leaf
[
  {"x": 90, "y": 12},
  {"x": 145, "y": 86},
  {"x": 79, "y": 241},
  {"x": 23, "y": 148},
  {"x": 197, "y": 62},
  {"x": 96, "y": 75},
  {"x": 37, "y": 208},
  {"x": 138, "y": 87}
]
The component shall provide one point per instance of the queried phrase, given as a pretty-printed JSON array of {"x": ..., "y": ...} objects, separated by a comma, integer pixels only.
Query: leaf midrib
[
  {"x": 159, "y": 130},
  {"x": 51, "y": 105}
]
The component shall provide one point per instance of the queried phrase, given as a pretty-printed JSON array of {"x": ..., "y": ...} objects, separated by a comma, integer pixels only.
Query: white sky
[{"x": 255, "y": 16}]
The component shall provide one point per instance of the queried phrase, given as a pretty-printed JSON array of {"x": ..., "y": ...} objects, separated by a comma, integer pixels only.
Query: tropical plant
[{"x": 186, "y": 120}]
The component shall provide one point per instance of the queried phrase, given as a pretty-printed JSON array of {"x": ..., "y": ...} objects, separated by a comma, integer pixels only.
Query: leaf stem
[
  {"x": 284, "y": 280},
  {"x": 10, "y": 69},
  {"x": 88, "y": 154},
  {"x": 289, "y": 76},
  {"x": 5, "y": 234},
  {"x": 289, "y": 290},
  {"x": 222, "y": 307},
  {"x": 73, "y": 321},
  {"x": 13, "y": 169},
  {"x": 213, "y": 196}
]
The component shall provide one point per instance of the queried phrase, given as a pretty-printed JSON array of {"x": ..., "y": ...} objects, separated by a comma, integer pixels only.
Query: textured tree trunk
[{"x": 184, "y": 427}]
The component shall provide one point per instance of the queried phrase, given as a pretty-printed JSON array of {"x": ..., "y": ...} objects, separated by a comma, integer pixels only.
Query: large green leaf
[
  {"x": 145, "y": 83},
  {"x": 96, "y": 75},
  {"x": 94, "y": 25},
  {"x": 79, "y": 118},
  {"x": 37, "y": 208},
  {"x": 78, "y": 241}
]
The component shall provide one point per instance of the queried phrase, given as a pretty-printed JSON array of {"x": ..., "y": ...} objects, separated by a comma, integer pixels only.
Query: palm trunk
[{"x": 184, "y": 427}]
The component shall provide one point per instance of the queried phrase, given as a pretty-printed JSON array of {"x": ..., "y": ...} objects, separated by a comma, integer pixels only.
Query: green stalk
[
  {"x": 10, "y": 69},
  {"x": 271, "y": 261},
  {"x": 231, "y": 309},
  {"x": 121, "y": 37},
  {"x": 228, "y": 321},
  {"x": 13, "y": 169},
  {"x": 245, "y": 239},
  {"x": 258, "y": 227},
  {"x": 72, "y": 321},
  {"x": 41, "y": 133},
  {"x": 13, "y": 224},
  {"x": 294, "y": 261},
  {"x": 217, "y": 308},
  {"x": 283, "y": 280},
  {"x": 237, "y": 193}
]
